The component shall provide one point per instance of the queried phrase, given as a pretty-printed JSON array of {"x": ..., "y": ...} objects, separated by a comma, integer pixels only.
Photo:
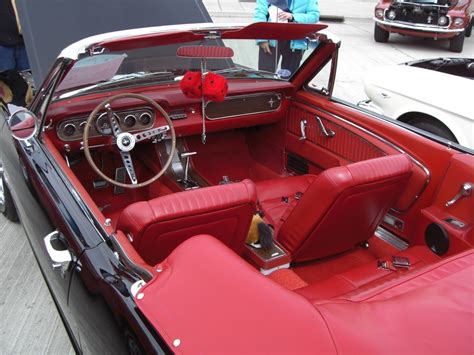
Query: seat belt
[{"x": 292, "y": 202}]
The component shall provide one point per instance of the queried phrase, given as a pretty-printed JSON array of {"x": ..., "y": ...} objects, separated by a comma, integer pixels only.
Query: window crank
[
  {"x": 303, "y": 125},
  {"x": 466, "y": 190},
  {"x": 325, "y": 131}
]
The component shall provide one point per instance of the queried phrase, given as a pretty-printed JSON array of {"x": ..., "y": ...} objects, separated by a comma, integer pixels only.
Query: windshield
[{"x": 160, "y": 64}]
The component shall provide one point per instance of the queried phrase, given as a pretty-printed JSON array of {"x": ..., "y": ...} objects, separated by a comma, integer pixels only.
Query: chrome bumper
[{"x": 417, "y": 27}]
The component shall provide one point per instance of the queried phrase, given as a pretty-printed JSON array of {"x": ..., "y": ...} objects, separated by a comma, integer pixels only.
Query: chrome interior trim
[
  {"x": 390, "y": 238},
  {"x": 140, "y": 271},
  {"x": 393, "y": 145},
  {"x": 251, "y": 113}
]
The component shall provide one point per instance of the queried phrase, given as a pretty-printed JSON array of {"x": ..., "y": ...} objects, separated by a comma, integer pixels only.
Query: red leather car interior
[
  {"x": 337, "y": 209},
  {"x": 159, "y": 225},
  {"x": 425, "y": 311}
]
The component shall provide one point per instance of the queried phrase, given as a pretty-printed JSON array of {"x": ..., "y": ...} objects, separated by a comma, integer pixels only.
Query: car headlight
[
  {"x": 379, "y": 13},
  {"x": 391, "y": 15},
  {"x": 442, "y": 21},
  {"x": 458, "y": 21}
]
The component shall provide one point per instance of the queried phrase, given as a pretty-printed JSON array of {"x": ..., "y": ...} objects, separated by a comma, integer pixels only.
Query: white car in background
[{"x": 436, "y": 95}]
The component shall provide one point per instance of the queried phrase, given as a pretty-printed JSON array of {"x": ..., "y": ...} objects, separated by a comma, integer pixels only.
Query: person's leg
[
  {"x": 7, "y": 58},
  {"x": 291, "y": 59},
  {"x": 266, "y": 61},
  {"x": 21, "y": 58}
]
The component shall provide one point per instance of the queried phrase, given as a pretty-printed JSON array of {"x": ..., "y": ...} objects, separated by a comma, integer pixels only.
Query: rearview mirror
[{"x": 23, "y": 124}]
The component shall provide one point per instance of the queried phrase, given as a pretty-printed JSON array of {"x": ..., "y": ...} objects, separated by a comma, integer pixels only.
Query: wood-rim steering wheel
[{"x": 126, "y": 141}]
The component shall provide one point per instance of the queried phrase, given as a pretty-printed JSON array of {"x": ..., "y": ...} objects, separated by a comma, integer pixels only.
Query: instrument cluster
[{"x": 72, "y": 129}]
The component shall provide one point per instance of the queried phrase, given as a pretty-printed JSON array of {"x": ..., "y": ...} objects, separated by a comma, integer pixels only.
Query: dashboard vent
[
  {"x": 296, "y": 164},
  {"x": 178, "y": 115}
]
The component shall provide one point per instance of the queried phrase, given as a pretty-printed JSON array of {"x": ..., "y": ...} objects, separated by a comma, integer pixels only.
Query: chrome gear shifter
[{"x": 186, "y": 182}]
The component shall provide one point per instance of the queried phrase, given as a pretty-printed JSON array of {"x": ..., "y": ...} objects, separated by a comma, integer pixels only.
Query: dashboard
[
  {"x": 243, "y": 107},
  {"x": 136, "y": 119}
]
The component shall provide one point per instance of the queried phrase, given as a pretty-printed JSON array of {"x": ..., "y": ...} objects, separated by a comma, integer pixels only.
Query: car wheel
[
  {"x": 380, "y": 35},
  {"x": 468, "y": 31},
  {"x": 456, "y": 43},
  {"x": 434, "y": 126},
  {"x": 7, "y": 207}
]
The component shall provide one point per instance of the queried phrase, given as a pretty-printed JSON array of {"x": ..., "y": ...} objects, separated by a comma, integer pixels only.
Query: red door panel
[{"x": 432, "y": 159}]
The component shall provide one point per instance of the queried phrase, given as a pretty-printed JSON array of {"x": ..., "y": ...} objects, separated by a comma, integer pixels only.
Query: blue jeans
[{"x": 14, "y": 58}]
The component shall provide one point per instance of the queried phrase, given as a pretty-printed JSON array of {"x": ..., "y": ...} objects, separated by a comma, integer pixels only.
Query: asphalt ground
[{"x": 29, "y": 322}]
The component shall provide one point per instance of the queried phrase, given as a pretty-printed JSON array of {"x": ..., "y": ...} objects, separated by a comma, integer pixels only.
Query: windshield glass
[{"x": 278, "y": 60}]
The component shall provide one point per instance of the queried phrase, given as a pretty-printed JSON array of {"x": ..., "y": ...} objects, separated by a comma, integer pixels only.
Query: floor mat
[
  {"x": 316, "y": 271},
  {"x": 288, "y": 279}
]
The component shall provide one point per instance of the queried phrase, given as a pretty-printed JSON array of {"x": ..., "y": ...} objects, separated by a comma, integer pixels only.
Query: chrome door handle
[
  {"x": 60, "y": 258},
  {"x": 303, "y": 125},
  {"x": 325, "y": 132},
  {"x": 466, "y": 190}
]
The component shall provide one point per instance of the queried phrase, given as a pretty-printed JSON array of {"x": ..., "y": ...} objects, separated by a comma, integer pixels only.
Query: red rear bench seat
[{"x": 207, "y": 299}]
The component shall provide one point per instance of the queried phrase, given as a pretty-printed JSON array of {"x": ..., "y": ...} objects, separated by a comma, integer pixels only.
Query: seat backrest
[
  {"x": 343, "y": 206},
  {"x": 158, "y": 226}
]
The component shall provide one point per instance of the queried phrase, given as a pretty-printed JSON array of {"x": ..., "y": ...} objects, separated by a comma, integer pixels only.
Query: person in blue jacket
[{"x": 290, "y": 52}]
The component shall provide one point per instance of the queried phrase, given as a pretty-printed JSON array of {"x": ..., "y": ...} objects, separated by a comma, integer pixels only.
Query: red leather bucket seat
[
  {"x": 158, "y": 226},
  {"x": 318, "y": 216}
]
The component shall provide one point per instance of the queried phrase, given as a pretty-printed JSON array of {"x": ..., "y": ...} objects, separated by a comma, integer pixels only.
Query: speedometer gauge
[{"x": 102, "y": 124}]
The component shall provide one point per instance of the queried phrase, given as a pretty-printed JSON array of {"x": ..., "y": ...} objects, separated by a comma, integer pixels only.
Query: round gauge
[
  {"x": 102, "y": 124},
  {"x": 129, "y": 121},
  {"x": 145, "y": 118},
  {"x": 69, "y": 129},
  {"x": 82, "y": 126}
]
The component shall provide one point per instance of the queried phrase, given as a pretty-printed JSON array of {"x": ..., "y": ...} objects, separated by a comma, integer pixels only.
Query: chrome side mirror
[{"x": 23, "y": 124}]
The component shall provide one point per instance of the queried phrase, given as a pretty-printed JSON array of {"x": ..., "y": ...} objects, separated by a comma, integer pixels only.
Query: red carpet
[{"x": 315, "y": 271}]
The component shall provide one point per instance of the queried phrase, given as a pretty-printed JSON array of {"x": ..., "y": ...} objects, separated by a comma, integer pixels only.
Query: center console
[{"x": 270, "y": 260}]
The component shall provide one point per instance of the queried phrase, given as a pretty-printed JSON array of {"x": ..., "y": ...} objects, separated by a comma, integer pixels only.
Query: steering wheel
[{"x": 126, "y": 141}]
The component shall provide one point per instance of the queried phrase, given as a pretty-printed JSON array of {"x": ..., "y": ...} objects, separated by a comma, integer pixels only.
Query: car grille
[{"x": 420, "y": 14}]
